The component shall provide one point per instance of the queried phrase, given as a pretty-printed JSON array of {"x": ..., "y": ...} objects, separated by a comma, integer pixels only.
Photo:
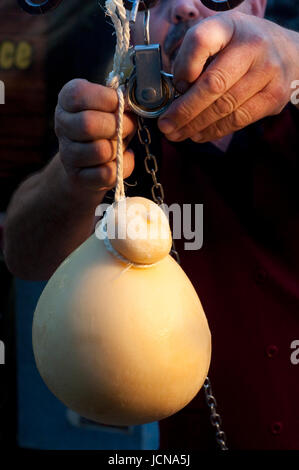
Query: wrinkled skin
[
  {"x": 234, "y": 67},
  {"x": 249, "y": 78}
]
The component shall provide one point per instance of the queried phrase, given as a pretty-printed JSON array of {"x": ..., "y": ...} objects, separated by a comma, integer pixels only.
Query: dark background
[{"x": 285, "y": 12}]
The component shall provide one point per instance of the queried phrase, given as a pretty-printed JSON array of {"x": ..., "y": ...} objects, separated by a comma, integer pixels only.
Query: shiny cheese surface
[{"x": 121, "y": 346}]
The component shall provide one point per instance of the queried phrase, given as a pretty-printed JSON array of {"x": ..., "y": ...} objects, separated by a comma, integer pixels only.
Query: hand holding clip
[{"x": 253, "y": 64}]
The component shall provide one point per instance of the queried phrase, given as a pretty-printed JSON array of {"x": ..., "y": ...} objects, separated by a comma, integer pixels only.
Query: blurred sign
[{"x": 16, "y": 54}]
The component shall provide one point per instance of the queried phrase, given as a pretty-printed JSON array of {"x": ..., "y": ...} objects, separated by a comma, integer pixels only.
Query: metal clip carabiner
[
  {"x": 149, "y": 89},
  {"x": 138, "y": 5}
]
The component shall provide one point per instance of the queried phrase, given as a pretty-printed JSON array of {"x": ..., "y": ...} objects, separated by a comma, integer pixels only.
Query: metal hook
[
  {"x": 146, "y": 26},
  {"x": 139, "y": 5}
]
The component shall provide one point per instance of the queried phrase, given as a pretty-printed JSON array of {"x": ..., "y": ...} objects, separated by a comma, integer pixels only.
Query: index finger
[
  {"x": 81, "y": 95},
  {"x": 201, "y": 42}
]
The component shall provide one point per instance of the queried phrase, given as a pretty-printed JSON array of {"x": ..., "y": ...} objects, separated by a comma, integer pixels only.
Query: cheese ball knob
[{"x": 139, "y": 230}]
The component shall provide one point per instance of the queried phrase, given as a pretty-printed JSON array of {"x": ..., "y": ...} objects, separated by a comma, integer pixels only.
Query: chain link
[
  {"x": 151, "y": 167},
  {"x": 215, "y": 417}
]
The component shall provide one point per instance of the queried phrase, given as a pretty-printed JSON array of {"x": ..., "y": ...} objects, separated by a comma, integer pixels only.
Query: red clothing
[{"x": 246, "y": 275}]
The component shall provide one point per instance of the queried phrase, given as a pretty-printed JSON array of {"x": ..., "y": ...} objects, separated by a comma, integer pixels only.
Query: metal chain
[
  {"x": 215, "y": 417},
  {"x": 151, "y": 167}
]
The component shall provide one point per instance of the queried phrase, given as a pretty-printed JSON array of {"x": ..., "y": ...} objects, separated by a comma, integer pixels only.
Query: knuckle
[
  {"x": 184, "y": 110},
  {"x": 129, "y": 126},
  {"x": 87, "y": 124},
  {"x": 218, "y": 130},
  {"x": 108, "y": 174},
  {"x": 237, "y": 16},
  {"x": 104, "y": 149},
  {"x": 280, "y": 95},
  {"x": 198, "y": 37},
  {"x": 276, "y": 68},
  {"x": 71, "y": 94},
  {"x": 276, "y": 98},
  {"x": 215, "y": 81},
  {"x": 225, "y": 105},
  {"x": 240, "y": 118},
  {"x": 258, "y": 41},
  {"x": 190, "y": 130},
  {"x": 272, "y": 67}
]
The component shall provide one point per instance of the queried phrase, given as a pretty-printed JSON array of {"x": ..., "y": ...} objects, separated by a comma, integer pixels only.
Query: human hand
[
  {"x": 86, "y": 125},
  {"x": 248, "y": 79}
]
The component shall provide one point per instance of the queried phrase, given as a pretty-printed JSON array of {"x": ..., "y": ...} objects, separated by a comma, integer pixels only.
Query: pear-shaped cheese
[{"x": 121, "y": 346}]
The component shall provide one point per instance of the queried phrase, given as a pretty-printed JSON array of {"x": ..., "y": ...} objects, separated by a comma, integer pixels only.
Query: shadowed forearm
[{"x": 47, "y": 219}]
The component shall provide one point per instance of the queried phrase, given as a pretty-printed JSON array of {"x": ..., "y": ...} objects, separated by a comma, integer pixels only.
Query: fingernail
[
  {"x": 166, "y": 126},
  {"x": 182, "y": 86}
]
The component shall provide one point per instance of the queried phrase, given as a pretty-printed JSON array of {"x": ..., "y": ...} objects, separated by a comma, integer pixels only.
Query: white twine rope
[{"x": 118, "y": 14}]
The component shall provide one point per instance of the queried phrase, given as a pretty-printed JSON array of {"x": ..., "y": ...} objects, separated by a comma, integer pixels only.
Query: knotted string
[
  {"x": 114, "y": 252},
  {"x": 118, "y": 14}
]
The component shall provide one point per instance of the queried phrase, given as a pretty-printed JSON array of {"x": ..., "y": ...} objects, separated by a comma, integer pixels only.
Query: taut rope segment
[{"x": 118, "y": 14}]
